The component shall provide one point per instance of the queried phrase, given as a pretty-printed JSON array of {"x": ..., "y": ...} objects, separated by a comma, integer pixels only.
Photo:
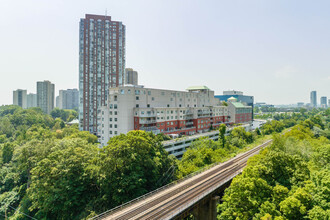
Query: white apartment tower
[
  {"x": 19, "y": 98},
  {"x": 45, "y": 96},
  {"x": 31, "y": 100}
]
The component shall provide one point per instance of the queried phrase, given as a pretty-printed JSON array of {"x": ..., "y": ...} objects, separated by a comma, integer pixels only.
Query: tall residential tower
[
  {"x": 101, "y": 65},
  {"x": 131, "y": 76},
  {"x": 45, "y": 96},
  {"x": 19, "y": 98},
  {"x": 324, "y": 100},
  {"x": 313, "y": 99}
]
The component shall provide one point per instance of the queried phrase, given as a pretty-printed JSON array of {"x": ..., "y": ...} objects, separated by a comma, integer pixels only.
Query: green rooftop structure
[
  {"x": 240, "y": 105},
  {"x": 192, "y": 88}
]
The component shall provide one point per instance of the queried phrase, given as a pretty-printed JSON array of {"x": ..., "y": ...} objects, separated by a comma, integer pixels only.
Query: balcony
[
  {"x": 152, "y": 115},
  {"x": 188, "y": 117},
  {"x": 182, "y": 129},
  {"x": 145, "y": 122},
  {"x": 189, "y": 123},
  {"x": 153, "y": 129}
]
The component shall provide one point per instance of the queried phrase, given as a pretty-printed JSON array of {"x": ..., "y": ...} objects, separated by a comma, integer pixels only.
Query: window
[
  {"x": 115, "y": 112},
  {"x": 153, "y": 99},
  {"x": 149, "y": 92},
  {"x": 115, "y": 132},
  {"x": 168, "y": 105},
  {"x": 129, "y": 91},
  {"x": 110, "y": 119},
  {"x": 115, "y": 106},
  {"x": 137, "y": 105},
  {"x": 110, "y": 125},
  {"x": 137, "y": 92},
  {"x": 122, "y": 91},
  {"x": 148, "y": 105},
  {"x": 110, "y": 112},
  {"x": 115, "y": 98},
  {"x": 115, "y": 126},
  {"x": 137, "y": 98},
  {"x": 171, "y": 99},
  {"x": 110, "y": 132},
  {"x": 115, "y": 119}
]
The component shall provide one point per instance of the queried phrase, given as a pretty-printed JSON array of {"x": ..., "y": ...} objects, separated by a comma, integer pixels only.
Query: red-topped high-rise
[{"x": 101, "y": 65}]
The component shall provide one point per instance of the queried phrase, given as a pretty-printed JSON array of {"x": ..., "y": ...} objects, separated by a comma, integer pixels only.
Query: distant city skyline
[{"x": 276, "y": 51}]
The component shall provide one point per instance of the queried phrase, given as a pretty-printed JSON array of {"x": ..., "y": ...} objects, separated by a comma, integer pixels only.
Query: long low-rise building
[{"x": 166, "y": 111}]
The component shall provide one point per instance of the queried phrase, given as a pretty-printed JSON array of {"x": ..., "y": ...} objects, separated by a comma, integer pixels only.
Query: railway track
[{"x": 165, "y": 202}]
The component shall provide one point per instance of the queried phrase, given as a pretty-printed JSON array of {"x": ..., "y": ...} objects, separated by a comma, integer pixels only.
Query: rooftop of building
[
  {"x": 240, "y": 105},
  {"x": 198, "y": 88},
  {"x": 194, "y": 88}
]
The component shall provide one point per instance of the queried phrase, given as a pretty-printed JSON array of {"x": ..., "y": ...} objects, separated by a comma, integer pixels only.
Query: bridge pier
[{"x": 207, "y": 210}]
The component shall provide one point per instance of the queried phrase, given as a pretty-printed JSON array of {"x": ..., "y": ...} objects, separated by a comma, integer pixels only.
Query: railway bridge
[{"x": 196, "y": 194}]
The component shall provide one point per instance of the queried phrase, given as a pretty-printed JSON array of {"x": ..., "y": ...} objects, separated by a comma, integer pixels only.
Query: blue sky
[{"x": 276, "y": 50}]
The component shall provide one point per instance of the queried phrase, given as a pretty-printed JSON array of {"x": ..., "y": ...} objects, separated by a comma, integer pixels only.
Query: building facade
[
  {"x": 19, "y": 98},
  {"x": 313, "y": 98},
  {"x": 161, "y": 111},
  {"x": 31, "y": 100},
  {"x": 131, "y": 76},
  {"x": 239, "y": 112},
  {"x": 45, "y": 96},
  {"x": 249, "y": 100},
  {"x": 324, "y": 100},
  {"x": 101, "y": 65},
  {"x": 68, "y": 99}
]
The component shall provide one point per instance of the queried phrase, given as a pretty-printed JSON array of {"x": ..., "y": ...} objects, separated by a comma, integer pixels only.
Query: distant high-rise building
[
  {"x": 68, "y": 99},
  {"x": 131, "y": 76},
  {"x": 324, "y": 100},
  {"x": 45, "y": 96},
  {"x": 101, "y": 65},
  {"x": 300, "y": 104},
  {"x": 19, "y": 98},
  {"x": 31, "y": 100},
  {"x": 57, "y": 101},
  {"x": 313, "y": 99}
]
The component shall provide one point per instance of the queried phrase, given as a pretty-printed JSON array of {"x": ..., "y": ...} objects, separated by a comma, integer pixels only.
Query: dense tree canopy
[
  {"x": 50, "y": 170},
  {"x": 289, "y": 180}
]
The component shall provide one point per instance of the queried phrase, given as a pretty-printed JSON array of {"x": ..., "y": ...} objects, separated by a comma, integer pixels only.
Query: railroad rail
[{"x": 171, "y": 201}]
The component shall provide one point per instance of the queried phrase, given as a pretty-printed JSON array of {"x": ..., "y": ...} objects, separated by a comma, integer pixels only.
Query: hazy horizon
[{"x": 277, "y": 51}]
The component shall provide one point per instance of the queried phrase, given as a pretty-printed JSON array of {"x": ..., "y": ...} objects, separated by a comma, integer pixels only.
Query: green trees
[
  {"x": 63, "y": 183},
  {"x": 134, "y": 164},
  {"x": 222, "y": 132},
  {"x": 64, "y": 114},
  {"x": 204, "y": 152},
  {"x": 53, "y": 171},
  {"x": 288, "y": 180}
]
